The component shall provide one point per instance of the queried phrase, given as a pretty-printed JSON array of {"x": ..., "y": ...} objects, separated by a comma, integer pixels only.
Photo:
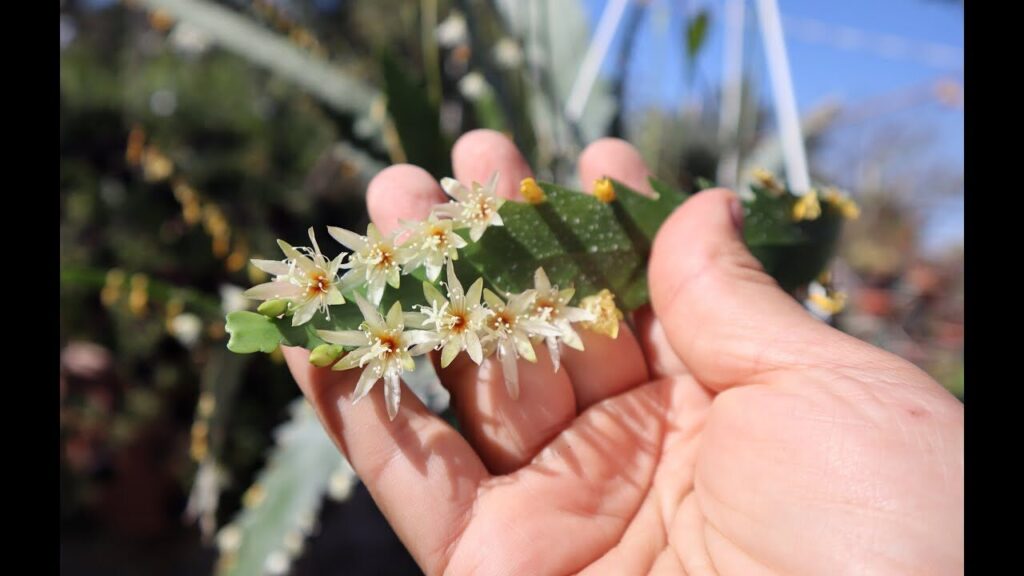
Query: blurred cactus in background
[{"x": 193, "y": 133}]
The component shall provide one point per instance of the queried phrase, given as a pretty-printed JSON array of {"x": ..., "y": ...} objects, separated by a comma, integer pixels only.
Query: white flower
[
  {"x": 232, "y": 298},
  {"x": 823, "y": 301},
  {"x": 508, "y": 54},
  {"x": 475, "y": 208},
  {"x": 474, "y": 86},
  {"x": 453, "y": 322},
  {"x": 452, "y": 31},
  {"x": 508, "y": 329},
  {"x": 382, "y": 351},
  {"x": 307, "y": 279},
  {"x": 186, "y": 328},
  {"x": 430, "y": 244},
  {"x": 551, "y": 305},
  {"x": 373, "y": 261}
]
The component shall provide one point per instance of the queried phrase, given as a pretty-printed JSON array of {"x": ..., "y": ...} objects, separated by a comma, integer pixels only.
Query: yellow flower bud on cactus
[
  {"x": 531, "y": 192},
  {"x": 604, "y": 190},
  {"x": 807, "y": 207}
]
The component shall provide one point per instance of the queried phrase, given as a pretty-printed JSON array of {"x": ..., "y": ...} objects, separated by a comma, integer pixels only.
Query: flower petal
[
  {"x": 540, "y": 280},
  {"x": 492, "y": 299},
  {"x": 375, "y": 289},
  {"x": 433, "y": 296},
  {"x": 304, "y": 263},
  {"x": 351, "y": 360},
  {"x": 334, "y": 297},
  {"x": 304, "y": 313},
  {"x": 370, "y": 314},
  {"x": 275, "y": 267},
  {"x": 473, "y": 296},
  {"x": 347, "y": 238},
  {"x": 553, "y": 351},
  {"x": 416, "y": 337},
  {"x": 344, "y": 337},
  {"x": 451, "y": 350},
  {"x": 509, "y": 370},
  {"x": 454, "y": 188},
  {"x": 524, "y": 347},
  {"x": 392, "y": 394},
  {"x": 271, "y": 290},
  {"x": 395, "y": 319},
  {"x": 473, "y": 348},
  {"x": 366, "y": 381}
]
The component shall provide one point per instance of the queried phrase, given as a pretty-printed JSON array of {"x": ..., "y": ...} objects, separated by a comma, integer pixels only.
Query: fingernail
[{"x": 736, "y": 210}]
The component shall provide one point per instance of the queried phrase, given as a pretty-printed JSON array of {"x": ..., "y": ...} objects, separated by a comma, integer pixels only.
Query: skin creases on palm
[{"x": 782, "y": 447}]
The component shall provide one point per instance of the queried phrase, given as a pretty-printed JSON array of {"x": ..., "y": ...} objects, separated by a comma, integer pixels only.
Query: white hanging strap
[
  {"x": 794, "y": 155},
  {"x": 602, "y": 40},
  {"x": 732, "y": 94}
]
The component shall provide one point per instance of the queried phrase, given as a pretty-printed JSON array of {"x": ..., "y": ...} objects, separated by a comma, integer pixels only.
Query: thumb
[{"x": 724, "y": 317}]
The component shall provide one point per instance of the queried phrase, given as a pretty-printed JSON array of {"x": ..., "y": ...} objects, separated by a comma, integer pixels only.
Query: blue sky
[{"x": 924, "y": 39}]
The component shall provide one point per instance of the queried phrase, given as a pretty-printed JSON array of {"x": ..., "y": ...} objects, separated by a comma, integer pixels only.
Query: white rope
[
  {"x": 598, "y": 49},
  {"x": 732, "y": 93},
  {"x": 794, "y": 155}
]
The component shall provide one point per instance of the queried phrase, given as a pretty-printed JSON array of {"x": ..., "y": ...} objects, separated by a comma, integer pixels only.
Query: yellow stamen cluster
[
  {"x": 846, "y": 206},
  {"x": 199, "y": 441},
  {"x": 531, "y": 192},
  {"x": 254, "y": 496},
  {"x": 111, "y": 291},
  {"x": 807, "y": 207},
  {"x": 765, "y": 179},
  {"x": 161, "y": 20},
  {"x": 831, "y": 302},
  {"x": 138, "y": 297},
  {"x": 157, "y": 167},
  {"x": 604, "y": 190},
  {"x": 299, "y": 35},
  {"x": 602, "y": 306}
]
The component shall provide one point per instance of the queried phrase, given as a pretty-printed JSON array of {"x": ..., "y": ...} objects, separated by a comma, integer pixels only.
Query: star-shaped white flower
[
  {"x": 430, "y": 243},
  {"x": 382, "y": 351},
  {"x": 551, "y": 305},
  {"x": 306, "y": 279},
  {"x": 507, "y": 331},
  {"x": 475, "y": 207},
  {"x": 453, "y": 322},
  {"x": 374, "y": 261}
]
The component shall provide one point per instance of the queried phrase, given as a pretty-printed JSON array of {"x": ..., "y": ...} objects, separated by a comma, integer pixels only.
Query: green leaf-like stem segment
[{"x": 580, "y": 242}]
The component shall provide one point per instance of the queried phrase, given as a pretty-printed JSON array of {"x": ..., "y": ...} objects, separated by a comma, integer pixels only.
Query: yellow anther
[
  {"x": 606, "y": 314},
  {"x": 111, "y": 292},
  {"x": 604, "y": 190},
  {"x": 846, "y": 206},
  {"x": 531, "y": 192},
  {"x": 138, "y": 297},
  {"x": 765, "y": 179},
  {"x": 807, "y": 207},
  {"x": 831, "y": 303}
]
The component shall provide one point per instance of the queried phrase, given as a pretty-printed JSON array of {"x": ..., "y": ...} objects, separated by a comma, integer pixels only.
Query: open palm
[{"x": 727, "y": 433}]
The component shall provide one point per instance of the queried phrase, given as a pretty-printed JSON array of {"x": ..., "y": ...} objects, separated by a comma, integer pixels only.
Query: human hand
[{"x": 730, "y": 433}]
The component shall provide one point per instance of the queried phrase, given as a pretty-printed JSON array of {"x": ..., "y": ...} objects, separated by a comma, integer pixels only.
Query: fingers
[
  {"x": 422, "y": 474},
  {"x": 607, "y": 367},
  {"x": 614, "y": 158},
  {"x": 480, "y": 153},
  {"x": 507, "y": 432},
  {"x": 724, "y": 317},
  {"x": 401, "y": 192}
]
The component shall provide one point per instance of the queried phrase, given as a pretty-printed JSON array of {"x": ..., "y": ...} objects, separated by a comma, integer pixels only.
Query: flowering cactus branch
[{"x": 516, "y": 275}]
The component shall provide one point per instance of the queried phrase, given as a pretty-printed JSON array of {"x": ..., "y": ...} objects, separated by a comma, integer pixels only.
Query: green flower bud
[
  {"x": 324, "y": 355},
  {"x": 273, "y": 308}
]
